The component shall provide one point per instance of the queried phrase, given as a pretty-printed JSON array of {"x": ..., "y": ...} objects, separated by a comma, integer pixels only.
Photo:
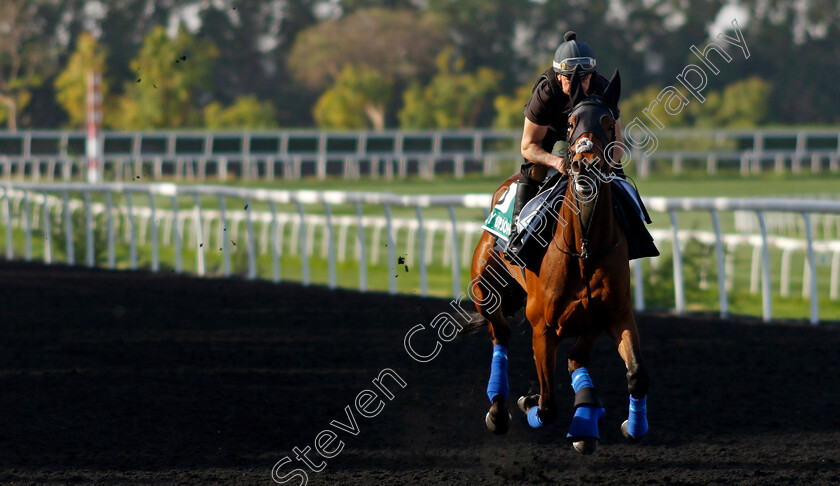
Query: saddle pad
[
  {"x": 499, "y": 221},
  {"x": 535, "y": 226}
]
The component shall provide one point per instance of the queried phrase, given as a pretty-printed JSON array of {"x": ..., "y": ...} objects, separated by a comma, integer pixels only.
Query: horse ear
[
  {"x": 576, "y": 92},
  {"x": 613, "y": 91}
]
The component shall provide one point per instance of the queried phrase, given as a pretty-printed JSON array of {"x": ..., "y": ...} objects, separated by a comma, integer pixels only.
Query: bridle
[{"x": 588, "y": 122}]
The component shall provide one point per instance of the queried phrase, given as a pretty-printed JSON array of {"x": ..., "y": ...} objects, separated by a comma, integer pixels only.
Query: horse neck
[{"x": 603, "y": 226}]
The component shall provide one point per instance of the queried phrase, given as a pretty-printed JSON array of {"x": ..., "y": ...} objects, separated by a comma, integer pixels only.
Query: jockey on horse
[
  {"x": 580, "y": 287},
  {"x": 546, "y": 123}
]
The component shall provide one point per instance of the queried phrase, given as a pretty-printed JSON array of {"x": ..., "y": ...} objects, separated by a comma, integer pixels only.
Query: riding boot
[{"x": 526, "y": 191}]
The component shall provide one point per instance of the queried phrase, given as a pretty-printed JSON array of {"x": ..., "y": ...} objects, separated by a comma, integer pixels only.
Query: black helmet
[{"x": 573, "y": 53}]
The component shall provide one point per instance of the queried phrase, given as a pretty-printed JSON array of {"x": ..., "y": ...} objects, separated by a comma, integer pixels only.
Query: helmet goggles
[{"x": 566, "y": 66}]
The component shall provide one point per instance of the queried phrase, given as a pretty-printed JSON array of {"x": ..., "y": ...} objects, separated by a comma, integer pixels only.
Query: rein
[{"x": 585, "y": 255}]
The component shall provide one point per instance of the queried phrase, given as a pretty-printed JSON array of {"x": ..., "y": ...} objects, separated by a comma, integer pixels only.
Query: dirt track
[{"x": 115, "y": 377}]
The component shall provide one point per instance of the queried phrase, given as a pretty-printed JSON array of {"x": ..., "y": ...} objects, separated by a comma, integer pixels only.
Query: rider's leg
[{"x": 530, "y": 176}]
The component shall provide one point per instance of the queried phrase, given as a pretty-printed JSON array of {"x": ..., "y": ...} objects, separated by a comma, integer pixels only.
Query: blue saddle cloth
[{"x": 537, "y": 222}]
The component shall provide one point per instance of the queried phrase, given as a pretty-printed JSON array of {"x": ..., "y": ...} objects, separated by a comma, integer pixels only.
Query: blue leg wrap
[
  {"x": 637, "y": 424},
  {"x": 534, "y": 419},
  {"x": 585, "y": 421},
  {"x": 498, "y": 384}
]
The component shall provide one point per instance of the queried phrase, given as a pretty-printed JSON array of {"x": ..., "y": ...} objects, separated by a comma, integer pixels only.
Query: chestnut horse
[{"x": 580, "y": 288}]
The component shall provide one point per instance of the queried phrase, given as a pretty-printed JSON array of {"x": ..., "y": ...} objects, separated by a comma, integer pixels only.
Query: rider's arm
[{"x": 532, "y": 136}]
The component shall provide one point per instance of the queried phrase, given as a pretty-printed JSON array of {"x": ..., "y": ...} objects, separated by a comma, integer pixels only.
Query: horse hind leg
[
  {"x": 583, "y": 432},
  {"x": 626, "y": 337}
]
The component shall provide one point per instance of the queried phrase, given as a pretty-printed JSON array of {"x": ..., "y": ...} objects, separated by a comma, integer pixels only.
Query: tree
[
  {"x": 510, "y": 112},
  {"x": 452, "y": 99},
  {"x": 71, "y": 84},
  {"x": 357, "y": 100},
  {"x": 170, "y": 75},
  {"x": 25, "y": 59},
  {"x": 398, "y": 44},
  {"x": 742, "y": 104},
  {"x": 246, "y": 112}
]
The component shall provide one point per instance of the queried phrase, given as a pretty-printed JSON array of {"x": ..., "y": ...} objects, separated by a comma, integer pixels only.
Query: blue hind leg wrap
[
  {"x": 498, "y": 384},
  {"x": 637, "y": 424},
  {"x": 585, "y": 421}
]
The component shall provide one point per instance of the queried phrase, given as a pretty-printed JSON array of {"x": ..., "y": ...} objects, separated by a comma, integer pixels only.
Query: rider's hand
[{"x": 560, "y": 165}]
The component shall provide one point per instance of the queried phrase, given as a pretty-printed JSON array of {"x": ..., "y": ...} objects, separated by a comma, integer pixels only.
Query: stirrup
[{"x": 513, "y": 246}]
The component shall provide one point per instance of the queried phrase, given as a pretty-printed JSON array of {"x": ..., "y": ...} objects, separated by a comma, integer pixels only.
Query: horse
[{"x": 579, "y": 289}]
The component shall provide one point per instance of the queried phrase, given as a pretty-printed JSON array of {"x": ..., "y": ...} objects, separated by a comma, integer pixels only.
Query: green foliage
[
  {"x": 399, "y": 44},
  {"x": 742, "y": 104},
  {"x": 71, "y": 84},
  {"x": 510, "y": 109},
  {"x": 452, "y": 99},
  {"x": 26, "y": 57},
  {"x": 246, "y": 112},
  {"x": 357, "y": 100},
  {"x": 170, "y": 73}
]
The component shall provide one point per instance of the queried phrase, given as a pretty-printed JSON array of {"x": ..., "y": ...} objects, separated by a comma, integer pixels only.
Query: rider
[{"x": 546, "y": 120}]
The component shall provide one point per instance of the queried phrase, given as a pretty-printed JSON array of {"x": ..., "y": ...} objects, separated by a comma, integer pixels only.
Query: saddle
[{"x": 537, "y": 222}]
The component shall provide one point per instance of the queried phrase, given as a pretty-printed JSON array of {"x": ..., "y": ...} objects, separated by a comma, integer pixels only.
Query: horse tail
[{"x": 476, "y": 322}]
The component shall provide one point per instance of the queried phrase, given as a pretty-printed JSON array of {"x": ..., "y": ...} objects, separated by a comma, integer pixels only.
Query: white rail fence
[
  {"x": 31, "y": 208},
  {"x": 36, "y": 156}
]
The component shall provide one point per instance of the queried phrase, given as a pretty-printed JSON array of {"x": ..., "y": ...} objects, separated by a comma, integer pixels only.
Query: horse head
[{"x": 591, "y": 130}]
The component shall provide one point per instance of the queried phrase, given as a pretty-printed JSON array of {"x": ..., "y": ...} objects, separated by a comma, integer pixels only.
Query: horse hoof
[
  {"x": 627, "y": 433},
  {"x": 499, "y": 428},
  {"x": 586, "y": 446},
  {"x": 527, "y": 403}
]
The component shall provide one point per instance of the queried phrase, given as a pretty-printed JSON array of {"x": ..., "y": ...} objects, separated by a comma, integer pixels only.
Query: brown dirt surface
[{"x": 140, "y": 378}]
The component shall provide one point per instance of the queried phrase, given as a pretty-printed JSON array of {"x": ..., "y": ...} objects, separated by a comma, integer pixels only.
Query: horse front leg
[
  {"x": 626, "y": 337},
  {"x": 542, "y": 409},
  {"x": 583, "y": 432}
]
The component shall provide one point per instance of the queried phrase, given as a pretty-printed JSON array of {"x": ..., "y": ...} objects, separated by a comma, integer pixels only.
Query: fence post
[
  {"x": 177, "y": 234},
  {"x": 456, "y": 263},
  {"x": 721, "y": 267},
  {"x": 224, "y": 236},
  {"x": 767, "y": 305},
  {"x": 638, "y": 287},
  {"x": 28, "y": 228},
  {"x": 421, "y": 250},
  {"x": 252, "y": 244},
  {"x": 109, "y": 208},
  {"x": 132, "y": 231},
  {"x": 812, "y": 283},
  {"x": 679, "y": 288},
  {"x": 362, "y": 249},
  {"x": 89, "y": 230},
  {"x": 199, "y": 236},
  {"x": 68, "y": 230},
  {"x": 153, "y": 225},
  {"x": 392, "y": 265},
  {"x": 47, "y": 232},
  {"x": 275, "y": 250},
  {"x": 10, "y": 249},
  {"x": 304, "y": 253},
  {"x": 330, "y": 245}
]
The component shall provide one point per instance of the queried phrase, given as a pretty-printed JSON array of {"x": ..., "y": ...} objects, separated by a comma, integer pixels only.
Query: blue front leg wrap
[
  {"x": 498, "y": 384},
  {"x": 534, "y": 419},
  {"x": 637, "y": 424},
  {"x": 585, "y": 421}
]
